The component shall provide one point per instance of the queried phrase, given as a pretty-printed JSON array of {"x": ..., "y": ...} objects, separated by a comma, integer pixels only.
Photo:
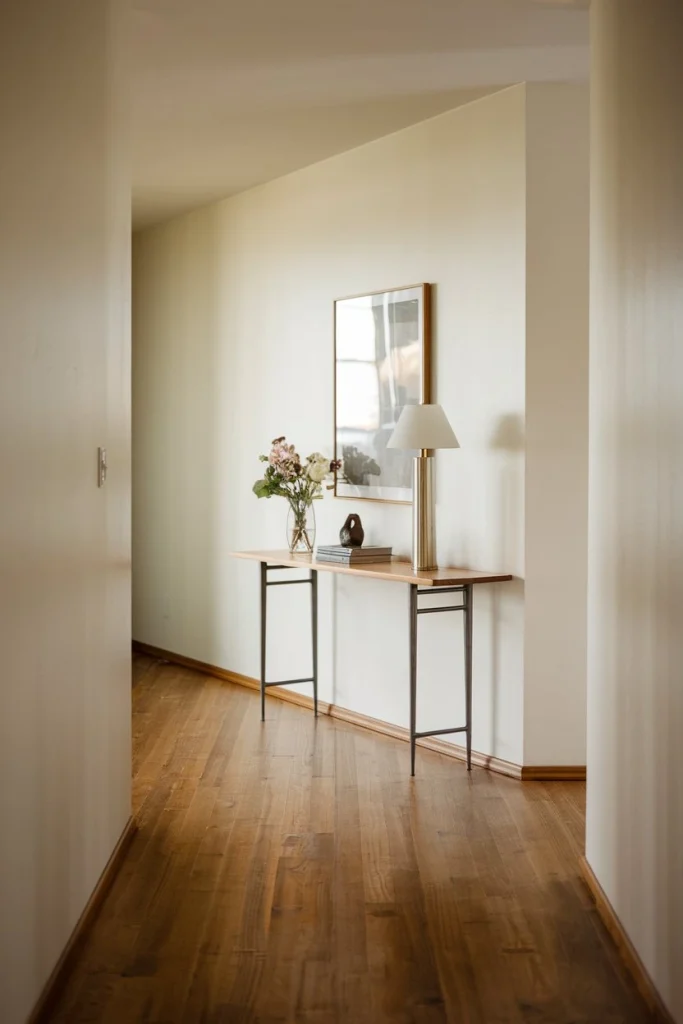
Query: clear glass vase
[{"x": 301, "y": 529}]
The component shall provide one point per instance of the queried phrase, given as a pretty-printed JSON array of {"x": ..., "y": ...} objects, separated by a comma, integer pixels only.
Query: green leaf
[{"x": 261, "y": 489}]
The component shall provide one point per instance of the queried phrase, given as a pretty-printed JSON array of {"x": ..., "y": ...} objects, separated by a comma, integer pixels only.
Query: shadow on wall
[
  {"x": 176, "y": 434},
  {"x": 507, "y": 440},
  {"x": 638, "y": 640}
]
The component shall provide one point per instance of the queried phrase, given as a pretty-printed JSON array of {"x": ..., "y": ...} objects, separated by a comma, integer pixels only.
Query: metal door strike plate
[{"x": 101, "y": 467}]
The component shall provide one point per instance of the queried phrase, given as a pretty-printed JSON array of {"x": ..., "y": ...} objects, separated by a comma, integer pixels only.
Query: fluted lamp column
[{"x": 425, "y": 428}]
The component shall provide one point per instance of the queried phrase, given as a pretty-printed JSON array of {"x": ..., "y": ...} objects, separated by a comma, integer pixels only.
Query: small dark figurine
[{"x": 352, "y": 533}]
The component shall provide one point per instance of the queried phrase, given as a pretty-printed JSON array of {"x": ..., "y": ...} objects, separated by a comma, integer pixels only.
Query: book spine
[
  {"x": 367, "y": 556},
  {"x": 354, "y": 561}
]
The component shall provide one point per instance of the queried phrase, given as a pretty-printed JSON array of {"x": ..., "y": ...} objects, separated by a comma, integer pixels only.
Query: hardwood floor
[{"x": 293, "y": 872}]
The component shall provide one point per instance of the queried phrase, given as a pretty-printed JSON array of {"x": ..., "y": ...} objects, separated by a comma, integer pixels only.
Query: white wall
[
  {"x": 635, "y": 667},
  {"x": 233, "y": 346},
  {"x": 556, "y": 495},
  {"x": 64, "y": 544}
]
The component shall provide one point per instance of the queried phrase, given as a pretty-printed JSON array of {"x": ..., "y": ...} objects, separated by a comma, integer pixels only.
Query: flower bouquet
[{"x": 301, "y": 483}]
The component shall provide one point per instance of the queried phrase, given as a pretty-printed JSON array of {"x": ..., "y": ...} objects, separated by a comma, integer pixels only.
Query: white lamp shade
[{"x": 423, "y": 426}]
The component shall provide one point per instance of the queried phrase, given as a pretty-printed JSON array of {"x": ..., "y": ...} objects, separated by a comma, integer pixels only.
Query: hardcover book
[{"x": 338, "y": 553}]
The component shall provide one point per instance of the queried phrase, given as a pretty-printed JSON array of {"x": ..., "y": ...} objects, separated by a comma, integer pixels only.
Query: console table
[{"x": 442, "y": 581}]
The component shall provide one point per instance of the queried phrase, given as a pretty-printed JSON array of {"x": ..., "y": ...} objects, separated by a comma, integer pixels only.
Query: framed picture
[{"x": 381, "y": 362}]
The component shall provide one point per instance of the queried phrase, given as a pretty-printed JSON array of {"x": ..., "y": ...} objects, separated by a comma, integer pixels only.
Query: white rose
[
  {"x": 317, "y": 472},
  {"x": 317, "y": 469}
]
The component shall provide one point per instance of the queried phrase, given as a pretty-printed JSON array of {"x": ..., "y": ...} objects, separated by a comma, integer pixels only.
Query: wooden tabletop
[{"x": 396, "y": 570}]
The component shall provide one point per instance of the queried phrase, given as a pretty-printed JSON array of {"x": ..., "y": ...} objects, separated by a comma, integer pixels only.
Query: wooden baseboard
[
  {"x": 495, "y": 764},
  {"x": 400, "y": 732},
  {"x": 554, "y": 773},
  {"x": 291, "y": 696},
  {"x": 627, "y": 950},
  {"x": 54, "y": 985}
]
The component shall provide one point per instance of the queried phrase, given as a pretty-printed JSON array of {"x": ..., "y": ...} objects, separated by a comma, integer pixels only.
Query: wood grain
[
  {"x": 49, "y": 997},
  {"x": 553, "y": 773},
  {"x": 296, "y": 873},
  {"x": 528, "y": 773},
  {"x": 396, "y": 571},
  {"x": 282, "y": 692},
  {"x": 627, "y": 950}
]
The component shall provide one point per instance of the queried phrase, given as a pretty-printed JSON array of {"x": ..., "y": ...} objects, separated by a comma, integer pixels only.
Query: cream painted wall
[
  {"x": 556, "y": 482},
  {"x": 635, "y": 642},
  {"x": 233, "y": 346},
  {"x": 64, "y": 544}
]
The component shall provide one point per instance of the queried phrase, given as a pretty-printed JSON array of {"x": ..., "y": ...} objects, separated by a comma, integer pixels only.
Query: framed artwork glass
[{"x": 381, "y": 363}]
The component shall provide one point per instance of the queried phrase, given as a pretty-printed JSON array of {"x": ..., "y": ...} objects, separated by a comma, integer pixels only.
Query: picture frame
[{"x": 382, "y": 361}]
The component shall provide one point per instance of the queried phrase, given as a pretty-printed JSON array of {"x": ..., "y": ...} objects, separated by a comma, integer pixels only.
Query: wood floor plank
[{"x": 291, "y": 872}]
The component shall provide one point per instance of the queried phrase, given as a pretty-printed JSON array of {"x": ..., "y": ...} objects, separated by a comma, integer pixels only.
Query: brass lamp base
[{"x": 424, "y": 534}]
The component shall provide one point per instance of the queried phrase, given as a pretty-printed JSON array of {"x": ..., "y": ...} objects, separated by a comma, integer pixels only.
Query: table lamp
[{"x": 423, "y": 427}]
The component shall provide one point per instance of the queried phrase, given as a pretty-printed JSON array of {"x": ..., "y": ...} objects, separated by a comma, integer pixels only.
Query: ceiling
[{"x": 229, "y": 95}]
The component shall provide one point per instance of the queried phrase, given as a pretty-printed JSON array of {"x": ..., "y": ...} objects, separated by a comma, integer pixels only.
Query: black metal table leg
[
  {"x": 467, "y": 615},
  {"x": 264, "y": 581},
  {"x": 466, "y": 590},
  {"x": 314, "y": 636},
  {"x": 413, "y": 674}
]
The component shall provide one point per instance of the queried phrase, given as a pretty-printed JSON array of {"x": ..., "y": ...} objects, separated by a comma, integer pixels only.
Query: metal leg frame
[
  {"x": 467, "y": 592},
  {"x": 265, "y": 583}
]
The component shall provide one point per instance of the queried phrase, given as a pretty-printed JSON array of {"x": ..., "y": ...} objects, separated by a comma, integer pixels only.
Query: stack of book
[{"x": 352, "y": 556}]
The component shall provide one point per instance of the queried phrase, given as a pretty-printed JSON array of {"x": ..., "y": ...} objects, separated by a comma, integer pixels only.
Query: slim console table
[{"x": 442, "y": 581}]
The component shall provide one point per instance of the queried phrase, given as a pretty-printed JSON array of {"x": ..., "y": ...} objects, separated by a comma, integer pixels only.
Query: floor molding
[
  {"x": 627, "y": 950},
  {"x": 554, "y": 773},
  {"x": 291, "y": 696},
  {"x": 43, "y": 1009},
  {"x": 400, "y": 732},
  {"x": 526, "y": 773}
]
